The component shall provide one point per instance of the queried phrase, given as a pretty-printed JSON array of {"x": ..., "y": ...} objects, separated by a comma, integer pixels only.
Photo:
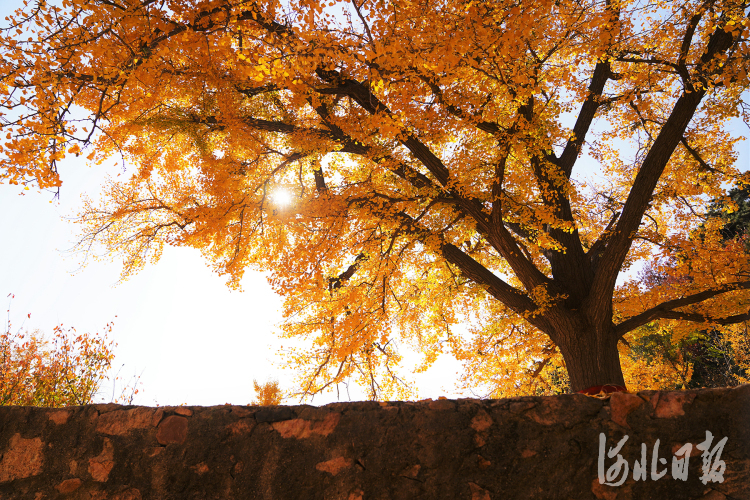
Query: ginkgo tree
[{"x": 495, "y": 165}]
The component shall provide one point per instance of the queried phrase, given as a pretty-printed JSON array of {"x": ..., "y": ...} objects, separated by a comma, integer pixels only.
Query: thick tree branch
[
  {"x": 594, "y": 253},
  {"x": 697, "y": 157},
  {"x": 496, "y": 215},
  {"x": 489, "y": 127},
  {"x": 602, "y": 73},
  {"x": 499, "y": 237},
  {"x": 338, "y": 281},
  {"x": 687, "y": 41},
  {"x": 666, "y": 310},
  {"x": 648, "y": 176},
  {"x": 370, "y": 103},
  {"x": 699, "y": 318},
  {"x": 515, "y": 299},
  {"x": 569, "y": 265},
  {"x": 320, "y": 181},
  {"x": 498, "y": 288}
]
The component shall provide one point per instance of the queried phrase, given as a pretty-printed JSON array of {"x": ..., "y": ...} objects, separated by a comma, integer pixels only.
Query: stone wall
[{"x": 520, "y": 448}]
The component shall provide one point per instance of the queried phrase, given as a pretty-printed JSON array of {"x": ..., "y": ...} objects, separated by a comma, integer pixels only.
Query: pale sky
[{"x": 193, "y": 340}]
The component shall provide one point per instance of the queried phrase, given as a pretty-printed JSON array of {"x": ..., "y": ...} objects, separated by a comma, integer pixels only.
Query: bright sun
[{"x": 282, "y": 198}]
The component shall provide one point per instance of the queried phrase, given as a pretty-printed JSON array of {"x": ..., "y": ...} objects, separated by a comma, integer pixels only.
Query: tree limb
[
  {"x": 602, "y": 72},
  {"x": 648, "y": 176},
  {"x": 665, "y": 310}
]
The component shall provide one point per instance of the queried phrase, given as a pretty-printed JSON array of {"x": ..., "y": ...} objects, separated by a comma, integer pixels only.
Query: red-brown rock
[
  {"x": 118, "y": 423},
  {"x": 172, "y": 429},
  {"x": 101, "y": 465},
  {"x": 69, "y": 485},
  {"x": 22, "y": 458},
  {"x": 621, "y": 405}
]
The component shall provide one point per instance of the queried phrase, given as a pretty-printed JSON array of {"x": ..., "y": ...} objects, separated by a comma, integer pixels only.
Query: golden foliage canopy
[{"x": 491, "y": 164}]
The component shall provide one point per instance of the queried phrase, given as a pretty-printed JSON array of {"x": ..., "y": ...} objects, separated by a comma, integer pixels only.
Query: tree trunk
[{"x": 591, "y": 358}]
